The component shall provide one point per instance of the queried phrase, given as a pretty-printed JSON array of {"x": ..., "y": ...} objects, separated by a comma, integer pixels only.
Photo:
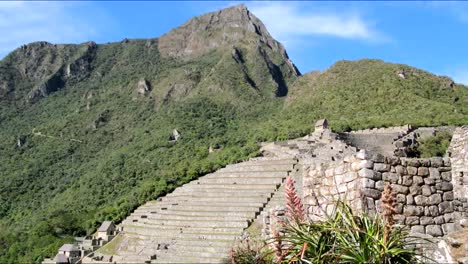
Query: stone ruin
[{"x": 432, "y": 193}]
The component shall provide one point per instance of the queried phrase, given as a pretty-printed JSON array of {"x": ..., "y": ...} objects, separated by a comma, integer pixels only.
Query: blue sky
[{"x": 429, "y": 35}]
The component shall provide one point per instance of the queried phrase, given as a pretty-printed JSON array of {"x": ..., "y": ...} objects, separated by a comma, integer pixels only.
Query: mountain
[{"x": 87, "y": 129}]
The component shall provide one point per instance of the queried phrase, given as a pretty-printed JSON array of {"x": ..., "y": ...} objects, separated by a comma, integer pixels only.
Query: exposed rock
[
  {"x": 143, "y": 87},
  {"x": 175, "y": 135}
]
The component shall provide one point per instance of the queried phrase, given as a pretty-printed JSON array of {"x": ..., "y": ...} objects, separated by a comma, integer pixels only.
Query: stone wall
[
  {"x": 326, "y": 182},
  {"x": 425, "y": 193},
  {"x": 459, "y": 157}
]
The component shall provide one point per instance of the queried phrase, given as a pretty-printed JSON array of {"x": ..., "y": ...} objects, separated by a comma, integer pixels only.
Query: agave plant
[{"x": 345, "y": 237}]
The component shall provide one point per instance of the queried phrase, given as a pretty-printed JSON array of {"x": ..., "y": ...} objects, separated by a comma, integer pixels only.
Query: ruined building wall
[
  {"x": 459, "y": 157},
  {"x": 429, "y": 200}
]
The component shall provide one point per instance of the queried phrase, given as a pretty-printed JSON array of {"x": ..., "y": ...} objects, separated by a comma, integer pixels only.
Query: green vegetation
[
  {"x": 435, "y": 146},
  {"x": 345, "y": 237},
  {"x": 342, "y": 237},
  {"x": 370, "y": 93},
  {"x": 92, "y": 149}
]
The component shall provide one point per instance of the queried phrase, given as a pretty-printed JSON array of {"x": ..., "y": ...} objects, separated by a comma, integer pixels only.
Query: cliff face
[
  {"x": 230, "y": 26},
  {"x": 227, "y": 49}
]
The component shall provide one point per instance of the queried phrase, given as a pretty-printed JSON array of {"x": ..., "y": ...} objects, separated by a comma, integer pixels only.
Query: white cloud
[
  {"x": 288, "y": 22},
  {"x": 24, "y": 22}
]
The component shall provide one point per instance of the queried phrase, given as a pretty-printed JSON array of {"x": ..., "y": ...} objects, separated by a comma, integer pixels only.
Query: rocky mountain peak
[{"x": 204, "y": 33}]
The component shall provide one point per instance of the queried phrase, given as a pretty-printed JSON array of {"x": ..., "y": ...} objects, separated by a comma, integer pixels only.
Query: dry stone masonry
[{"x": 428, "y": 199}]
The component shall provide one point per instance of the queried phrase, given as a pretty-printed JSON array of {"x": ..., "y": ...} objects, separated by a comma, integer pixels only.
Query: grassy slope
[
  {"x": 369, "y": 93},
  {"x": 52, "y": 187}
]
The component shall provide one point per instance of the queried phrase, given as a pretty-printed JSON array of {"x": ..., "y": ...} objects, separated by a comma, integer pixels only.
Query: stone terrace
[{"x": 200, "y": 221}]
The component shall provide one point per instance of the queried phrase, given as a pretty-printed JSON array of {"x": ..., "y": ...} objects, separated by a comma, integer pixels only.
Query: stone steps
[
  {"x": 165, "y": 217},
  {"x": 202, "y": 219},
  {"x": 257, "y": 168},
  {"x": 229, "y": 180},
  {"x": 240, "y": 194},
  {"x": 247, "y": 174},
  {"x": 207, "y": 213},
  {"x": 190, "y": 236},
  {"x": 201, "y": 199},
  {"x": 187, "y": 260},
  {"x": 199, "y": 223},
  {"x": 187, "y": 230}
]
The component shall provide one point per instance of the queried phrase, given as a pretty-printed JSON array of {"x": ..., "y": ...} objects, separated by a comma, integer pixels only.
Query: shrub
[
  {"x": 345, "y": 237},
  {"x": 435, "y": 146},
  {"x": 249, "y": 251}
]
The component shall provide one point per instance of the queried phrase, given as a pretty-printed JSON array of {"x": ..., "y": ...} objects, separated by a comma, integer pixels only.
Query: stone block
[
  {"x": 329, "y": 172},
  {"x": 425, "y": 162},
  {"x": 390, "y": 177},
  {"x": 377, "y": 175},
  {"x": 421, "y": 200},
  {"x": 367, "y": 173},
  {"x": 349, "y": 176},
  {"x": 339, "y": 170},
  {"x": 435, "y": 199},
  {"x": 401, "y": 170},
  {"x": 429, "y": 181},
  {"x": 392, "y": 160},
  {"x": 412, "y": 210},
  {"x": 426, "y": 220},
  {"x": 412, "y": 170},
  {"x": 368, "y": 183},
  {"x": 426, "y": 190},
  {"x": 434, "y": 173},
  {"x": 401, "y": 198},
  {"x": 437, "y": 162},
  {"x": 446, "y": 176},
  {"x": 423, "y": 171},
  {"x": 339, "y": 179},
  {"x": 418, "y": 180},
  {"x": 406, "y": 180},
  {"x": 415, "y": 190},
  {"x": 448, "y": 196},
  {"x": 412, "y": 220},
  {"x": 377, "y": 157},
  {"x": 400, "y": 189},
  {"x": 328, "y": 181},
  {"x": 434, "y": 230},
  {"x": 399, "y": 219},
  {"x": 438, "y": 220},
  {"x": 432, "y": 210},
  {"x": 398, "y": 208},
  {"x": 366, "y": 164},
  {"x": 341, "y": 188},
  {"x": 367, "y": 192},
  {"x": 445, "y": 207},
  {"x": 363, "y": 154},
  {"x": 413, "y": 162},
  {"x": 370, "y": 204},
  {"x": 445, "y": 169},
  {"x": 448, "y": 228},
  {"x": 418, "y": 229},
  {"x": 447, "y": 162},
  {"x": 380, "y": 185},
  {"x": 444, "y": 186},
  {"x": 451, "y": 217},
  {"x": 409, "y": 199},
  {"x": 381, "y": 167}
]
